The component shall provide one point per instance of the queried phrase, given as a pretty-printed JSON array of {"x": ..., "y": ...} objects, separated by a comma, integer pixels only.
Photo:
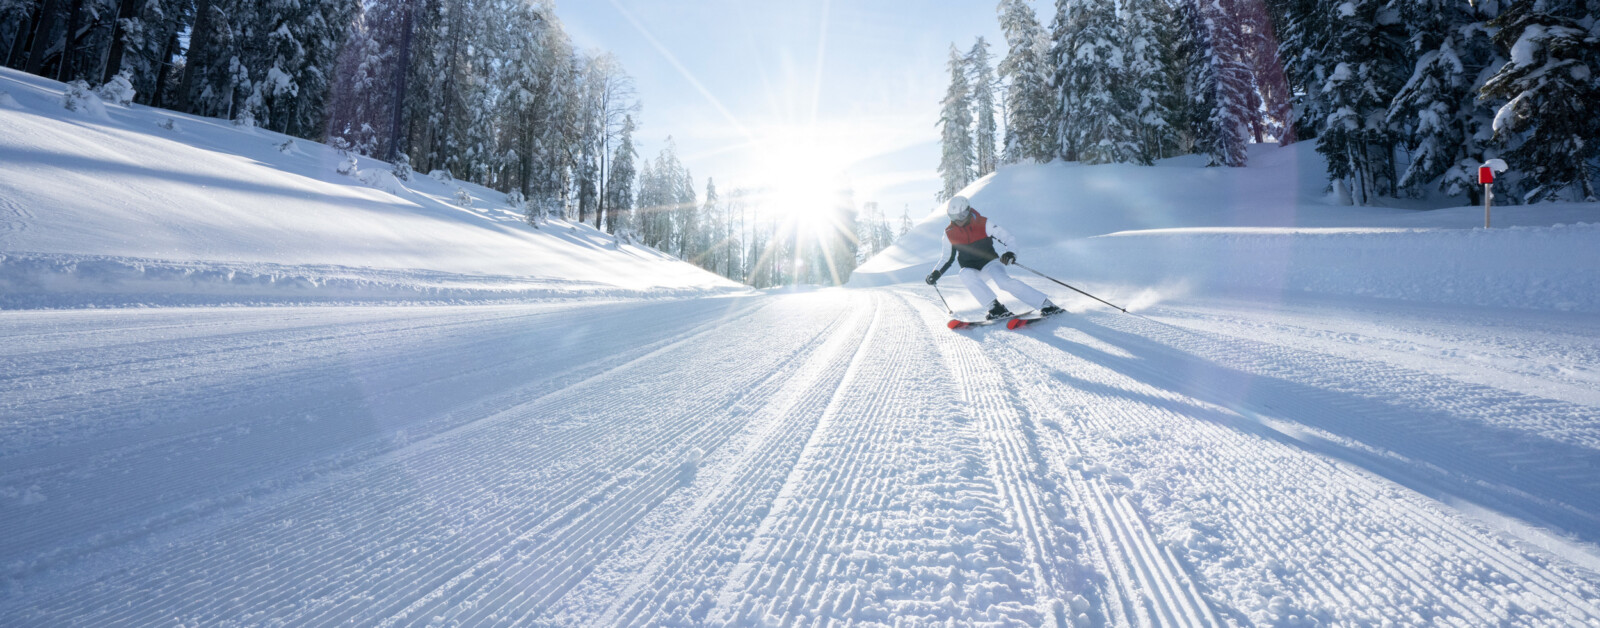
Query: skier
[{"x": 970, "y": 240}]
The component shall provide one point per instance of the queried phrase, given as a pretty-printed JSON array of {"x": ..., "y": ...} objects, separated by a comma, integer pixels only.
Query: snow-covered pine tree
[
  {"x": 707, "y": 249},
  {"x": 290, "y": 55},
  {"x": 211, "y": 68},
  {"x": 1062, "y": 128},
  {"x": 1304, "y": 36},
  {"x": 1550, "y": 84},
  {"x": 1149, "y": 90},
  {"x": 1095, "y": 77},
  {"x": 1365, "y": 53},
  {"x": 1228, "y": 135},
  {"x": 151, "y": 47},
  {"x": 646, "y": 203},
  {"x": 1195, "y": 119},
  {"x": 535, "y": 90},
  {"x": 444, "y": 93},
  {"x": 1028, "y": 97},
  {"x": 955, "y": 118},
  {"x": 143, "y": 44},
  {"x": 1445, "y": 126},
  {"x": 1181, "y": 40},
  {"x": 985, "y": 160},
  {"x": 665, "y": 192},
  {"x": 588, "y": 179},
  {"x": 613, "y": 99},
  {"x": 619, "y": 183},
  {"x": 686, "y": 217},
  {"x": 360, "y": 90},
  {"x": 1274, "y": 112}
]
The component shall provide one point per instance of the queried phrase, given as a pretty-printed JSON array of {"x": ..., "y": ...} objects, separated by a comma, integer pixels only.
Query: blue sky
[{"x": 792, "y": 95}]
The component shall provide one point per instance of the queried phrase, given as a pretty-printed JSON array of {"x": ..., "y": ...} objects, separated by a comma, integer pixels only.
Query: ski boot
[
  {"x": 1049, "y": 308},
  {"x": 996, "y": 310}
]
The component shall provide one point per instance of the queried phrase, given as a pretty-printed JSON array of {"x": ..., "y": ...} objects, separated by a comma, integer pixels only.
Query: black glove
[
  {"x": 1008, "y": 258},
  {"x": 933, "y": 278}
]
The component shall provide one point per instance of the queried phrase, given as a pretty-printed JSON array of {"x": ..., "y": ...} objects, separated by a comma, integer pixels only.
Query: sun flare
[{"x": 801, "y": 180}]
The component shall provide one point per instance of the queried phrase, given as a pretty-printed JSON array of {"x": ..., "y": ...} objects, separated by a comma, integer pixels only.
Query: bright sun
[{"x": 802, "y": 181}]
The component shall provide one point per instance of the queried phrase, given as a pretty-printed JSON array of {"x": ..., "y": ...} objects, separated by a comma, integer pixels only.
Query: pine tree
[
  {"x": 619, "y": 186},
  {"x": 1366, "y": 74},
  {"x": 983, "y": 88},
  {"x": 447, "y": 91},
  {"x": 647, "y": 203},
  {"x": 211, "y": 67},
  {"x": 1438, "y": 110},
  {"x": 361, "y": 93},
  {"x": 1181, "y": 39},
  {"x": 1062, "y": 127},
  {"x": 708, "y": 243},
  {"x": 956, "y": 119},
  {"x": 1196, "y": 57},
  {"x": 686, "y": 216},
  {"x": 1229, "y": 121},
  {"x": 1100, "y": 90},
  {"x": 1149, "y": 91},
  {"x": 1027, "y": 85},
  {"x": 1304, "y": 30},
  {"x": 1550, "y": 85},
  {"x": 1272, "y": 95}
]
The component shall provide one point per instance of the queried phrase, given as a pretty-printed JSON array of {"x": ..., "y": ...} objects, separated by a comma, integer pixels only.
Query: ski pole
[
  {"x": 1124, "y": 310},
  {"x": 939, "y": 292}
]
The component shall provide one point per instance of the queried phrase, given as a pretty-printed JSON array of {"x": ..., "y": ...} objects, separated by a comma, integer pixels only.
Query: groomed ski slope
[
  {"x": 1315, "y": 415},
  {"x": 788, "y": 458}
]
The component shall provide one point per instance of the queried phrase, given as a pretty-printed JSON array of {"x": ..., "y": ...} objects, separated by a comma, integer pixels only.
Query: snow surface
[
  {"x": 1316, "y": 415},
  {"x": 121, "y": 210}
]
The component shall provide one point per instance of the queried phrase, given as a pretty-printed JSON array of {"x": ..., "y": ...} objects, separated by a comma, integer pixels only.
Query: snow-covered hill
[
  {"x": 119, "y": 204},
  {"x": 1143, "y": 234}
]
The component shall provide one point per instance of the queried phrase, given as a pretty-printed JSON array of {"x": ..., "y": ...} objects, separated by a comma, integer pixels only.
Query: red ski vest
[
  {"x": 970, "y": 244},
  {"x": 976, "y": 229}
]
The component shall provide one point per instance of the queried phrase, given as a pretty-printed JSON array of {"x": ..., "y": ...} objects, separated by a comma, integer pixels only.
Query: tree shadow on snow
[{"x": 1439, "y": 454}]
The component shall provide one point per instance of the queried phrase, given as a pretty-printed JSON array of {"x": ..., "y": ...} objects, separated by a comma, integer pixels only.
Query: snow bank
[
  {"x": 128, "y": 209},
  {"x": 1142, "y": 232},
  {"x": 1555, "y": 268},
  {"x": 57, "y": 281}
]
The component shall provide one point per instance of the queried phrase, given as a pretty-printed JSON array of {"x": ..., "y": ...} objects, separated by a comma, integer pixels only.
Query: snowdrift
[
  {"x": 119, "y": 205},
  {"x": 1148, "y": 233}
]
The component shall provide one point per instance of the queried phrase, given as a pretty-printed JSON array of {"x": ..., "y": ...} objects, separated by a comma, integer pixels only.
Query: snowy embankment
[
  {"x": 1147, "y": 234},
  {"x": 118, "y": 205}
]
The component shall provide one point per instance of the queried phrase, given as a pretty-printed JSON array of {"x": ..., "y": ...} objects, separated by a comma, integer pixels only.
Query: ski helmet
[{"x": 957, "y": 207}]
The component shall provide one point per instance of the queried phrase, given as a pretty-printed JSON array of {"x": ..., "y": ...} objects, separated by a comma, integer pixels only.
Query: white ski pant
[{"x": 996, "y": 272}]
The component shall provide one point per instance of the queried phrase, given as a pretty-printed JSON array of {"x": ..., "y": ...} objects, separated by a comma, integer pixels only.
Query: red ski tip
[
  {"x": 1016, "y": 323},
  {"x": 955, "y": 324}
]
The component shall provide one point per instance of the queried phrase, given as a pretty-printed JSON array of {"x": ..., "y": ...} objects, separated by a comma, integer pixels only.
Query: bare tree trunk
[
  {"x": 401, "y": 69},
  {"x": 68, "y": 70},
  {"x": 199, "y": 41},
  {"x": 17, "y": 43},
  {"x": 42, "y": 32},
  {"x": 119, "y": 40},
  {"x": 158, "y": 95}
]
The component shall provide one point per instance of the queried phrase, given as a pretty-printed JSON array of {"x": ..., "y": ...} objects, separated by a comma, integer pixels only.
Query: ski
[
  {"x": 956, "y": 323},
  {"x": 1019, "y": 322}
]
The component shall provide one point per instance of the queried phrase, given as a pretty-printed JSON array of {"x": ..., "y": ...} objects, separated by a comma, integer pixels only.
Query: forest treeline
[{"x": 1405, "y": 98}]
